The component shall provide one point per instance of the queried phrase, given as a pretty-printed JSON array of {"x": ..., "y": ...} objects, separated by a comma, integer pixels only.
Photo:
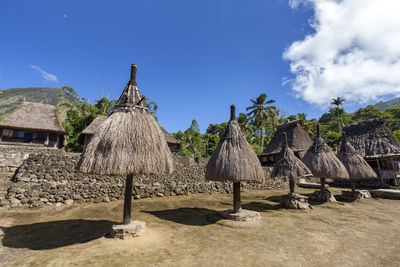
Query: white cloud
[
  {"x": 354, "y": 52},
  {"x": 47, "y": 76}
]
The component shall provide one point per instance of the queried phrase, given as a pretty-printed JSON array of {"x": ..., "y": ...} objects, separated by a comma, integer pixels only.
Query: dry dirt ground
[{"x": 178, "y": 233}]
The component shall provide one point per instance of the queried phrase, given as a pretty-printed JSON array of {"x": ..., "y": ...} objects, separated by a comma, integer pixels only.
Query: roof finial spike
[
  {"x": 233, "y": 111},
  {"x": 285, "y": 143},
  {"x": 133, "y": 73}
]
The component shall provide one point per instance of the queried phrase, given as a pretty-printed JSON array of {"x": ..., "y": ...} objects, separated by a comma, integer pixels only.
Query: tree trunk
[
  {"x": 338, "y": 119},
  {"x": 237, "y": 205},
  {"x": 128, "y": 199},
  {"x": 262, "y": 137}
]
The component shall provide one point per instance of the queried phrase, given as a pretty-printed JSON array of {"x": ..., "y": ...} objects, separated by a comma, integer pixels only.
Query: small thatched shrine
[
  {"x": 323, "y": 163},
  {"x": 288, "y": 165},
  {"x": 33, "y": 124},
  {"x": 355, "y": 164},
  {"x": 86, "y": 135},
  {"x": 234, "y": 160},
  {"x": 128, "y": 142},
  {"x": 298, "y": 141},
  {"x": 374, "y": 141}
]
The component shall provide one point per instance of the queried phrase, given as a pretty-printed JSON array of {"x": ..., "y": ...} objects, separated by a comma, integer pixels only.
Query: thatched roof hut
[
  {"x": 129, "y": 141},
  {"x": 234, "y": 159},
  {"x": 33, "y": 123},
  {"x": 322, "y": 162},
  {"x": 87, "y": 133},
  {"x": 355, "y": 164},
  {"x": 373, "y": 139},
  {"x": 298, "y": 141},
  {"x": 288, "y": 164}
]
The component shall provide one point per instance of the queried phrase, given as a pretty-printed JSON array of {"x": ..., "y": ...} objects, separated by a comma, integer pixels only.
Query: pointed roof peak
[{"x": 130, "y": 98}]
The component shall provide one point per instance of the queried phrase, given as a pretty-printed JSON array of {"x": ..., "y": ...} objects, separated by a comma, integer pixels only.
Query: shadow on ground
[
  {"x": 187, "y": 216},
  {"x": 54, "y": 234},
  {"x": 260, "y": 206}
]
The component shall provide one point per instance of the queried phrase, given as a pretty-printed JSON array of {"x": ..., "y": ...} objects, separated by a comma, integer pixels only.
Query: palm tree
[
  {"x": 260, "y": 113},
  {"x": 338, "y": 102}
]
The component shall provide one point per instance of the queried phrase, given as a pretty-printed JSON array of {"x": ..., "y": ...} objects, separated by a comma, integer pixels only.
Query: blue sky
[{"x": 194, "y": 58}]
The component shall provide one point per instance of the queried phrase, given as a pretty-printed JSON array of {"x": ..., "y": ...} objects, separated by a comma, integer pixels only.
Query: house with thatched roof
[
  {"x": 298, "y": 141},
  {"x": 33, "y": 124},
  {"x": 374, "y": 140},
  {"x": 87, "y": 133}
]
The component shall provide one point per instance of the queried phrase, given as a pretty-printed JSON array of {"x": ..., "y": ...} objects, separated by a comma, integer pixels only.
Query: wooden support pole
[
  {"x": 291, "y": 185},
  {"x": 380, "y": 172},
  {"x": 353, "y": 187},
  {"x": 322, "y": 185},
  {"x": 237, "y": 205},
  {"x": 128, "y": 199}
]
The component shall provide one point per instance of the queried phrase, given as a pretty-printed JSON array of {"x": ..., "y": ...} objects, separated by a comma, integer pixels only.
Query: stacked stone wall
[{"x": 50, "y": 178}]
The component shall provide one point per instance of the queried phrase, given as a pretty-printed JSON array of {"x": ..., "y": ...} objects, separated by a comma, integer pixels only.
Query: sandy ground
[{"x": 178, "y": 233}]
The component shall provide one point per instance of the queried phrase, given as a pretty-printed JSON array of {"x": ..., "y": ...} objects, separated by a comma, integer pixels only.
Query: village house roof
[
  {"x": 372, "y": 139},
  {"x": 35, "y": 117},
  {"x": 100, "y": 119},
  {"x": 298, "y": 139}
]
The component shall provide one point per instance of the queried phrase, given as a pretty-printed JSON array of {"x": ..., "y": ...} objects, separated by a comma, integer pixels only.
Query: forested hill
[
  {"x": 11, "y": 99},
  {"x": 394, "y": 103}
]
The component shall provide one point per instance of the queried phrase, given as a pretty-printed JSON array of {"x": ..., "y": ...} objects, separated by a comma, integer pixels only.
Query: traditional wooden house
[
  {"x": 33, "y": 124},
  {"x": 298, "y": 142},
  {"x": 87, "y": 133},
  {"x": 374, "y": 140}
]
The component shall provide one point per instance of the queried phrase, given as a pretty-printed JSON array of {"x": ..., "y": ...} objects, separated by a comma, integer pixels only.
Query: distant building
[
  {"x": 87, "y": 133},
  {"x": 374, "y": 140},
  {"x": 298, "y": 141},
  {"x": 33, "y": 124}
]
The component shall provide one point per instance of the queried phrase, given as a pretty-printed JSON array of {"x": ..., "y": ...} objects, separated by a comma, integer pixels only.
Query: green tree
[
  {"x": 338, "y": 102},
  {"x": 260, "y": 111},
  {"x": 397, "y": 134},
  {"x": 332, "y": 138},
  {"x": 195, "y": 126},
  {"x": 369, "y": 112}
]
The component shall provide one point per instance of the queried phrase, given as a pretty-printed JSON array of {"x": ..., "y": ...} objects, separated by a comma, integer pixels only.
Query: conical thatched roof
[
  {"x": 298, "y": 139},
  {"x": 355, "y": 164},
  {"x": 35, "y": 117},
  {"x": 288, "y": 164},
  {"x": 322, "y": 162},
  {"x": 234, "y": 159},
  {"x": 129, "y": 141},
  {"x": 91, "y": 129},
  {"x": 372, "y": 139}
]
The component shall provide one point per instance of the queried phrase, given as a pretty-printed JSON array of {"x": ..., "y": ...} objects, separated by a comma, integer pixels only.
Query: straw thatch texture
[
  {"x": 90, "y": 130},
  {"x": 355, "y": 164},
  {"x": 372, "y": 139},
  {"x": 322, "y": 162},
  {"x": 35, "y": 117},
  {"x": 289, "y": 165},
  {"x": 234, "y": 159},
  {"x": 129, "y": 141},
  {"x": 298, "y": 139}
]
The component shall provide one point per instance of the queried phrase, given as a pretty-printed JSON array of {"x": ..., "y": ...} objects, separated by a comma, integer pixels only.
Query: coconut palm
[
  {"x": 338, "y": 102},
  {"x": 260, "y": 112}
]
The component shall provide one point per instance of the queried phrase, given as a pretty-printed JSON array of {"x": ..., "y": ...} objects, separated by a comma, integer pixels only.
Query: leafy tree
[
  {"x": 152, "y": 106},
  {"x": 195, "y": 126},
  {"x": 328, "y": 120},
  {"x": 338, "y": 102},
  {"x": 369, "y": 112},
  {"x": 218, "y": 129},
  {"x": 397, "y": 134},
  {"x": 260, "y": 112},
  {"x": 332, "y": 138}
]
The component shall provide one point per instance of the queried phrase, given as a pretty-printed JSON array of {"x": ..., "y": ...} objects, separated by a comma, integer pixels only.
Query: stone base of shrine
[
  {"x": 241, "y": 216},
  {"x": 122, "y": 231},
  {"x": 359, "y": 194},
  {"x": 322, "y": 196},
  {"x": 295, "y": 201}
]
